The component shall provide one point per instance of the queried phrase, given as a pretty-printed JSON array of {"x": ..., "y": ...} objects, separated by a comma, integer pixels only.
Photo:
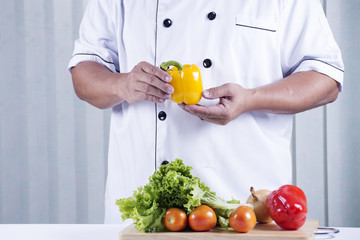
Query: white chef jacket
[{"x": 247, "y": 42}]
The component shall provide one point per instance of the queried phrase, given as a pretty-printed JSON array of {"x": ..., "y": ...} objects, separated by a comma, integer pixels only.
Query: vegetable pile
[
  {"x": 172, "y": 186},
  {"x": 174, "y": 199}
]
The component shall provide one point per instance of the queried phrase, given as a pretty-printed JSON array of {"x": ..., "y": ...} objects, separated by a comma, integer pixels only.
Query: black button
[
  {"x": 162, "y": 115},
  {"x": 207, "y": 63},
  {"x": 211, "y": 15},
  {"x": 164, "y": 162},
  {"x": 167, "y": 22}
]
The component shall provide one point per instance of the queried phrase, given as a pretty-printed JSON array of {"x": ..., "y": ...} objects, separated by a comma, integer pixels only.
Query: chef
[{"x": 260, "y": 61}]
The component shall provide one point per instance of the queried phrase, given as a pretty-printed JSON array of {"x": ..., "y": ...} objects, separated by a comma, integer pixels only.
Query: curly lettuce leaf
[
  {"x": 143, "y": 208},
  {"x": 172, "y": 185}
]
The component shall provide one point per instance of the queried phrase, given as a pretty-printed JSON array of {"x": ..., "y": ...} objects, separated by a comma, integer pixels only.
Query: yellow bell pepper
[{"x": 186, "y": 81}]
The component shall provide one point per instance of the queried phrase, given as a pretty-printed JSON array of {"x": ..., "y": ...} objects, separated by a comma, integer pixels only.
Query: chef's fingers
[
  {"x": 155, "y": 71},
  {"x": 154, "y": 81},
  {"x": 151, "y": 91},
  {"x": 149, "y": 84},
  {"x": 219, "y": 114},
  {"x": 224, "y": 90},
  {"x": 217, "y": 111},
  {"x": 151, "y": 98},
  {"x": 215, "y": 121}
]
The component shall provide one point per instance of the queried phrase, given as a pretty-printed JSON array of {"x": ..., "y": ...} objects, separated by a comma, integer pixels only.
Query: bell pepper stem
[{"x": 165, "y": 66}]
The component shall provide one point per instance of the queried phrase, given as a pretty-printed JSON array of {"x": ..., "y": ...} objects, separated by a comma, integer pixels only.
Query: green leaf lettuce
[{"x": 172, "y": 185}]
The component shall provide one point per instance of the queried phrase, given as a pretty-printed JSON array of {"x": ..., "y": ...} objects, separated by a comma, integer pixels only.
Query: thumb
[{"x": 217, "y": 92}]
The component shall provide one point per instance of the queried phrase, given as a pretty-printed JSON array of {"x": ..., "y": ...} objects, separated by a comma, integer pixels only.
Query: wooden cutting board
[{"x": 261, "y": 231}]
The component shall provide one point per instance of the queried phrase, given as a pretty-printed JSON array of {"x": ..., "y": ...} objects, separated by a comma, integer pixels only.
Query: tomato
[
  {"x": 202, "y": 218},
  {"x": 287, "y": 207},
  {"x": 242, "y": 219},
  {"x": 175, "y": 219}
]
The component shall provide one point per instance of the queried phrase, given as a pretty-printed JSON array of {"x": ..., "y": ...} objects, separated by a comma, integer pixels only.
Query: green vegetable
[{"x": 172, "y": 185}]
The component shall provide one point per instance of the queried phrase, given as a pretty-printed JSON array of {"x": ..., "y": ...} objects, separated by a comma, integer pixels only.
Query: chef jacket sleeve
[
  {"x": 97, "y": 37},
  {"x": 307, "y": 42}
]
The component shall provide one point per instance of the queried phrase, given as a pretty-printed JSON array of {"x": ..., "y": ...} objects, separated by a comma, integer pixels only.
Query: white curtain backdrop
[{"x": 53, "y": 146}]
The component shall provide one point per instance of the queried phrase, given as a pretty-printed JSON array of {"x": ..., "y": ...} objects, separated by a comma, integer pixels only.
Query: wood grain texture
[{"x": 261, "y": 231}]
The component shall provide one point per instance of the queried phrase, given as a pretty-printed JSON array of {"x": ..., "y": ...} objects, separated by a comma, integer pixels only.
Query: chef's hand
[
  {"x": 233, "y": 100},
  {"x": 146, "y": 82}
]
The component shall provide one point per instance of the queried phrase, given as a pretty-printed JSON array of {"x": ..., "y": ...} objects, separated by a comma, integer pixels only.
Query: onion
[{"x": 258, "y": 200}]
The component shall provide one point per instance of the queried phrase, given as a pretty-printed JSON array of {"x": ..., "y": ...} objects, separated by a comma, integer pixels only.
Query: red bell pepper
[{"x": 287, "y": 206}]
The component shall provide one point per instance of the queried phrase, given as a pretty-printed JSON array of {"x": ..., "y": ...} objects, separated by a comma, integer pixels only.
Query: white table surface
[{"x": 102, "y": 232}]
